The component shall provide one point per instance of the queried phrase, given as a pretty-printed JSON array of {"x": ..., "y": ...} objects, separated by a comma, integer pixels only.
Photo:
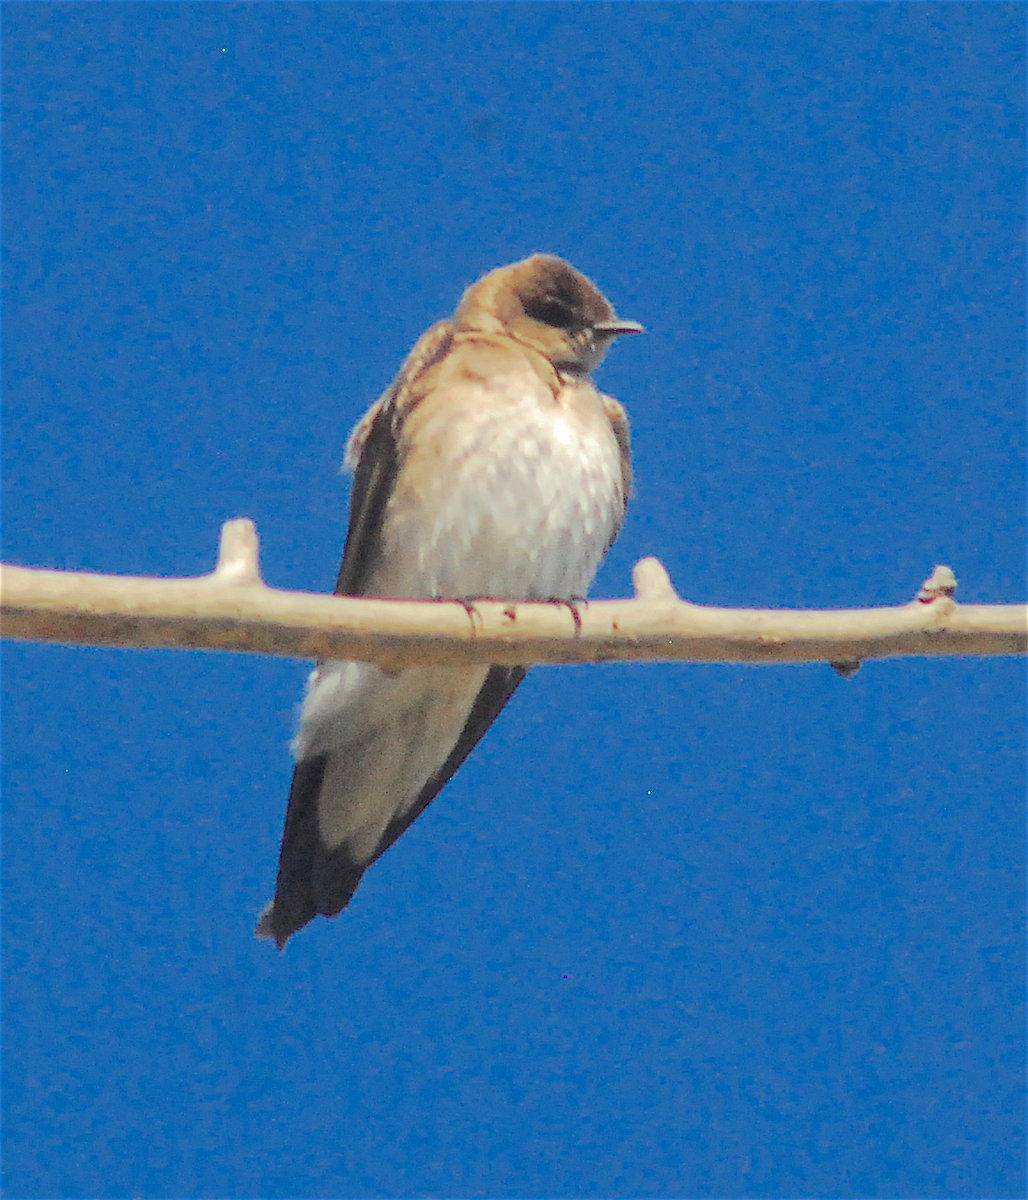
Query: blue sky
[{"x": 672, "y": 931}]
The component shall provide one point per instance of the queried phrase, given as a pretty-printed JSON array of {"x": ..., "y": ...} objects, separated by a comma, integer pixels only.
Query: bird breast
[{"x": 508, "y": 491}]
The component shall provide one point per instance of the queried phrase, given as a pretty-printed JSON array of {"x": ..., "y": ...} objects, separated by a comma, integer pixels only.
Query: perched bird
[{"x": 492, "y": 467}]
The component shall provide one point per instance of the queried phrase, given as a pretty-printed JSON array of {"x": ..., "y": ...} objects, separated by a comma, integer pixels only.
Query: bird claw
[
  {"x": 572, "y": 606},
  {"x": 469, "y": 607}
]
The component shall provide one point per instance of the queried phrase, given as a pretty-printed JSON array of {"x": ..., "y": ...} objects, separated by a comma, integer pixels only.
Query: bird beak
[{"x": 616, "y": 328}]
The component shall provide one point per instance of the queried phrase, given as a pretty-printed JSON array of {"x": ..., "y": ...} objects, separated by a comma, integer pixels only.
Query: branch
[{"x": 233, "y": 609}]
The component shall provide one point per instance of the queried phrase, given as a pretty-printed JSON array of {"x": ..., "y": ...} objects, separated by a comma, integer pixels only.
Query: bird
[{"x": 492, "y": 467}]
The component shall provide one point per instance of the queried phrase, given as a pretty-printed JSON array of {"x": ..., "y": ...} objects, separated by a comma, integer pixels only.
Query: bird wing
[
  {"x": 500, "y": 684},
  {"x": 619, "y": 424},
  {"x": 312, "y": 878},
  {"x": 373, "y": 453}
]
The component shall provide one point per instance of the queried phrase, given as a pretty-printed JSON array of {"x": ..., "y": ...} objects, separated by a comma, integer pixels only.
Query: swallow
[{"x": 492, "y": 467}]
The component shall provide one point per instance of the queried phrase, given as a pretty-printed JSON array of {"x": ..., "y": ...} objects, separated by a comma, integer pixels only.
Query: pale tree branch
[{"x": 232, "y": 609}]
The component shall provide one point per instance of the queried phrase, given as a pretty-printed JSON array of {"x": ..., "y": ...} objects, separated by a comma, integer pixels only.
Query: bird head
[{"x": 544, "y": 303}]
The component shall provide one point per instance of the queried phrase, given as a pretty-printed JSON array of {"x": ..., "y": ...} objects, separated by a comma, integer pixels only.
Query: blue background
[{"x": 673, "y": 931}]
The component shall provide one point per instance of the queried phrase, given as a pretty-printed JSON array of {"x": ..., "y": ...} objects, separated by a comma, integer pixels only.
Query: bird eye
[{"x": 551, "y": 310}]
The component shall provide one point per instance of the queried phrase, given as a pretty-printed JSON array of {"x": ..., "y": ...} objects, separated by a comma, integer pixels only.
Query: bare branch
[{"x": 232, "y": 609}]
